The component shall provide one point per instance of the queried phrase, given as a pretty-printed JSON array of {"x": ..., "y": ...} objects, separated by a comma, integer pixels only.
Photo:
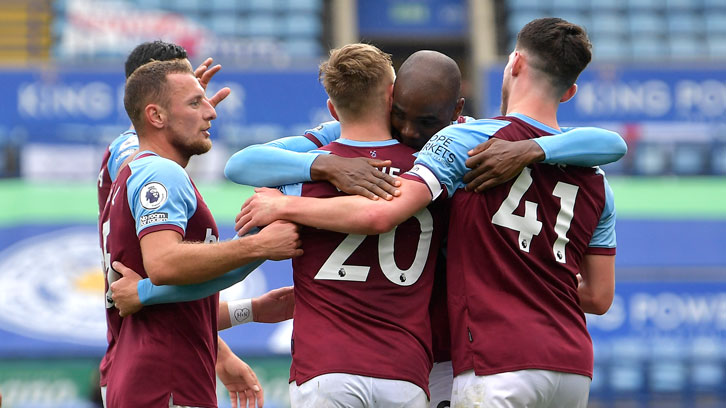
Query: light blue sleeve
[
  {"x": 124, "y": 145},
  {"x": 160, "y": 192},
  {"x": 150, "y": 294},
  {"x": 442, "y": 160},
  {"x": 604, "y": 235},
  {"x": 326, "y": 132},
  {"x": 585, "y": 146},
  {"x": 283, "y": 161}
]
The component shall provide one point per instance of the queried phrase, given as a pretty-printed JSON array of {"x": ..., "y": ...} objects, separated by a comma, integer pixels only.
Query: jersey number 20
[{"x": 335, "y": 269}]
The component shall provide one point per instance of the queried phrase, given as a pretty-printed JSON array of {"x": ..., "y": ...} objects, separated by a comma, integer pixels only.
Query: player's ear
[
  {"x": 571, "y": 91},
  {"x": 332, "y": 111},
  {"x": 459, "y": 108},
  {"x": 517, "y": 63},
  {"x": 155, "y": 115},
  {"x": 389, "y": 94}
]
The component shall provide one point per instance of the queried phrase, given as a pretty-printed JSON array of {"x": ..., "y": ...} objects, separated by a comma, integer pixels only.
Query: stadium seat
[
  {"x": 714, "y": 5},
  {"x": 225, "y": 24},
  {"x": 718, "y": 159},
  {"x": 686, "y": 47},
  {"x": 668, "y": 375},
  {"x": 262, "y": 5},
  {"x": 518, "y": 6},
  {"x": 264, "y": 25},
  {"x": 645, "y": 5},
  {"x": 153, "y": 5},
  {"x": 313, "y": 6},
  {"x": 684, "y": 5},
  {"x": 559, "y": 6},
  {"x": 598, "y": 6},
  {"x": 302, "y": 24},
  {"x": 651, "y": 159},
  {"x": 649, "y": 48},
  {"x": 517, "y": 20},
  {"x": 608, "y": 22},
  {"x": 610, "y": 48},
  {"x": 716, "y": 46},
  {"x": 227, "y": 6},
  {"x": 183, "y": 6},
  {"x": 307, "y": 48},
  {"x": 715, "y": 22},
  {"x": 646, "y": 23},
  {"x": 684, "y": 22},
  {"x": 626, "y": 376},
  {"x": 573, "y": 16},
  {"x": 707, "y": 376}
]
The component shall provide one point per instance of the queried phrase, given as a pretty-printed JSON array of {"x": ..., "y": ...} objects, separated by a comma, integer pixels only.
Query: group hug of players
[{"x": 438, "y": 260}]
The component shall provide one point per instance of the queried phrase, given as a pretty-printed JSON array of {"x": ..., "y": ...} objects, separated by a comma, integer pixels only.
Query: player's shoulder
[
  {"x": 125, "y": 140},
  {"x": 480, "y": 126},
  {"x": 151, "y": 166}
]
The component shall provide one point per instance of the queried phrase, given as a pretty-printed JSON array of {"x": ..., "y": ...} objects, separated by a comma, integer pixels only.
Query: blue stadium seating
[
  {"x": 685, "y": 22},
  {"x": 716, "y": 22},
  {"x": 684, "y": 5},
  {"x": 302, "y": 5},
  {"x": 226, "y": 6},
  {"x": 686, "y": 47},
  {"x": 716, "y": 46},
  {"x": 645, "y": 29},
  {"x": 613, "y": 5},
  {"x": 645, "y": 5},
  {"x": 646, "y": 23},
  {"x": 608, "y": 23},
  {"x": 528, "y": 5},
  {"x": 649, "y": 47}
]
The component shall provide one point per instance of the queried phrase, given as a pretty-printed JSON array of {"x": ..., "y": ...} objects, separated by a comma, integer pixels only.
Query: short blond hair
[{"x": 355, "y": 78}]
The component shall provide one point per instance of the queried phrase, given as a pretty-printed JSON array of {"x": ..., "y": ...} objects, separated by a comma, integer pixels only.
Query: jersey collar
[
  {"x": 535, "y": 123},
  {"x": 358, "y": 143}
]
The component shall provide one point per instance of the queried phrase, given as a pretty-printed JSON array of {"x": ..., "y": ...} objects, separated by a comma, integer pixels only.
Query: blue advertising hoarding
[
  {"x": 74, "y": 106},
  {"x": 622, "y": 93}
]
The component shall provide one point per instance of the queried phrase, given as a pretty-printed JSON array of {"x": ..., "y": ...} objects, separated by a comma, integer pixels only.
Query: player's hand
[
  {"x": 241, "y": 382},
  {"x": 274, "y": 306},
  {"x": 124, "y": 291},
  {"x": 259, "y": 210},
  {"x": 204, "y": 74},
  {"x": 497, "y": 161},
  {"x": 356, "y": 175},
  {"x": 279, "y": 240}
]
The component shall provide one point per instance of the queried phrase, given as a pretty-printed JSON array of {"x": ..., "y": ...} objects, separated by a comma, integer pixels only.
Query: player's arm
[
  {"x": 496, "y": 161},
  {"x": 293, "y": 160},
  {"x": 438, "y": 167},
  {"x": 274, "y": 306},
  {"x": 597, "y": 283},
  {"x": 170, "y": 261},
  {"x": 597, "y": 271},
  {"x": 162, "y": 200},
  {"x": 238, "y": 378},
  {"x": 347, "y": 214},
  {"x": 130, "y": 293}
]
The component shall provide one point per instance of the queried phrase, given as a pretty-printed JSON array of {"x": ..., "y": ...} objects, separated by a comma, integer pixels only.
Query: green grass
[{"x": 70, "y": 202}]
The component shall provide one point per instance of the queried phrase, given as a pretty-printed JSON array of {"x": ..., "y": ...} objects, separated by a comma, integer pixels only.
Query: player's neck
[
  {"x": 366, "y": 131},
  {"x": 157, "y": 143},
  {"x": 535, "y": 105}
]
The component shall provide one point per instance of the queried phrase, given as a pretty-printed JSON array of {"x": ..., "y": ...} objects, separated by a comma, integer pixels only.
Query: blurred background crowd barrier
[{"x": 658, "y": 77}]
